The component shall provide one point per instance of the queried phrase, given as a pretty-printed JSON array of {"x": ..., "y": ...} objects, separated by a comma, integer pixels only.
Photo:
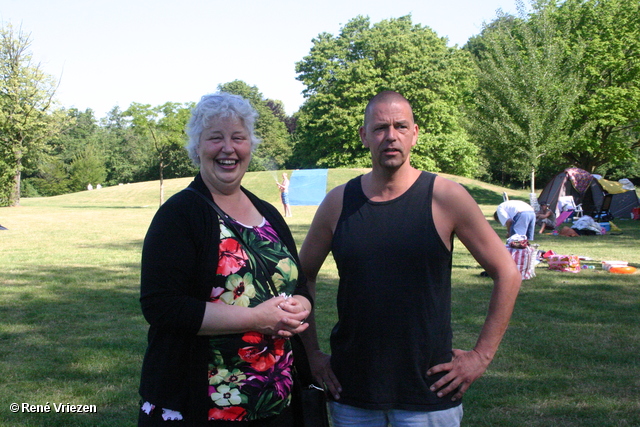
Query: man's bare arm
[
  {"x": 316, "y": 247},
  {"x": 456, "y": 209}
]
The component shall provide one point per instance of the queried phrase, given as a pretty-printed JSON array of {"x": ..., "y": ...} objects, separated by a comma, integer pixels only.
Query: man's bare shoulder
[
  {"x": 450, "y": 193},
  {"x": 455, "y": 203},
  {"x": 328, "y": 213},
  {"x": 335, "y": 194}
]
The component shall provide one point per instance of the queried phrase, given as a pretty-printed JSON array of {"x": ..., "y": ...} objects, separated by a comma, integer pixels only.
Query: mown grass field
[{"x": 71, "y": 331}]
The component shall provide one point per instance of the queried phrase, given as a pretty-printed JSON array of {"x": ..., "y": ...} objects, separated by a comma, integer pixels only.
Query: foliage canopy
[
  {"x": 605, "y": 127},
  {"x": 26, "y": 97},
  {"x": 552, "y": 87},
  {"x": 342, "y": 73},
  {"x": 527, "y": 90}
]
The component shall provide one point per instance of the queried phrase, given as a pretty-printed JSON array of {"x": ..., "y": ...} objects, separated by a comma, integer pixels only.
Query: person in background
[
  {"x": 518, "y": 216},
  {"x": 284, "y": 194},
  {"x": 391, "y": 232},
  {"x": 545, "y": 218},
  {"x": 218, "y": 351}
]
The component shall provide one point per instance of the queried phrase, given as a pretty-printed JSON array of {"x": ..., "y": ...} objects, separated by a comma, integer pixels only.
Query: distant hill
[{"x": 146, "y": 194}]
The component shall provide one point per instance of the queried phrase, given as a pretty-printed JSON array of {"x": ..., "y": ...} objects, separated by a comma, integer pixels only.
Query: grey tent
[{"x": 587, "y": 191}]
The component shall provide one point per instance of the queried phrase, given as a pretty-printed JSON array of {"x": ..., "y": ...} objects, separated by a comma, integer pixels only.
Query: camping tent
[{"x": 587, "y": 191}]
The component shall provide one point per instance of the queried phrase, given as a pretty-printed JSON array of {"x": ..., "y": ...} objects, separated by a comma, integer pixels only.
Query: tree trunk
[
  {"x": 14, "y": 198},
  {"x": 533, "y": 180},
  {"x": 161, "y": 183}
]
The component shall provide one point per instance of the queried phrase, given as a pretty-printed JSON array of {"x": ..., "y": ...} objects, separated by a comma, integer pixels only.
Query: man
[
  {"x": 518, "y": 216},
  {"x": 391, "y": 232}
]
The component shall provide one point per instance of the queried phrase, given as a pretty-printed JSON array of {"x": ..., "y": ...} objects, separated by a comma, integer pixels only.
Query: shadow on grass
[
  {"x": 135, "y": 245},
  {"x": 569, "y": 356},
  {"x": 72, "y": 335},
  {"x": 547, "y": 399},
  {"x": 299, "y": 232}
]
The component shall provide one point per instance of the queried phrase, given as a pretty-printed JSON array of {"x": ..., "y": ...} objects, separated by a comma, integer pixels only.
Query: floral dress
[{"x": 250, "y": 373}]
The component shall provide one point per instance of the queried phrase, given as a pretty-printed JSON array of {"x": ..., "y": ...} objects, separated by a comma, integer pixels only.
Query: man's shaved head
[{"x": 388, "y": 96}]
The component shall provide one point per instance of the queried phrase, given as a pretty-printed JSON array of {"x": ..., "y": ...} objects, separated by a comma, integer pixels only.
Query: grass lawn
[{"x": 71, "y": 331}]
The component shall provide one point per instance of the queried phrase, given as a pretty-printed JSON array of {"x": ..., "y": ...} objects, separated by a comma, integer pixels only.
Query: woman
[{"x": 217, "y": 350}]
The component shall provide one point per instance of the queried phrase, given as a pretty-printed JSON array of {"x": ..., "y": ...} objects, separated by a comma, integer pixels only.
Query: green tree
[
  {"x": 275, "y": 149},
  {"x": 58, "y": 170},
  {"x": 164, "y": 129},
  {"x": 26, "y": 96},
  {"x": 51, "y": 179},
  {"x": 606, "y": 120},
  {"x": 127, "y": 157},
  {"x": 527, "y": 88},
  {"x": 87, "y": 168},
  {"x": 341, "y": 73}
]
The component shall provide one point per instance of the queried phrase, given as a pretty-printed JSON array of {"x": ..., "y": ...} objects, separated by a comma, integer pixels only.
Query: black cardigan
[{"x": 179, "y": 258}]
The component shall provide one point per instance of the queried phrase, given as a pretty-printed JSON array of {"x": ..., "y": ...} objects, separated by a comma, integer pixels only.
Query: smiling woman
[
  {"x": 219, "y": 266},
  {"x": 225, "y": 152}
]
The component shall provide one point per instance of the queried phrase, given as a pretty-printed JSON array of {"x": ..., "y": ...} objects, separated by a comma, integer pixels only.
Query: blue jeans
[
  {"x": 346, "y": 415},
  {"x": 524, "y": 223}
]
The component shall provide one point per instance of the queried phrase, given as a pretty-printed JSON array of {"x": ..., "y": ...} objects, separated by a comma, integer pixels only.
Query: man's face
[{"x": 389, "y": 133}]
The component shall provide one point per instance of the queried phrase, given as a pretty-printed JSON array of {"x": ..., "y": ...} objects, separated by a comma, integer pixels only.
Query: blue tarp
[{"x": 307, "y": 187}]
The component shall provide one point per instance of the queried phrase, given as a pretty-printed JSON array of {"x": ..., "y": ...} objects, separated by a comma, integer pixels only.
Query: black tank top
[{"x": 394, "y": 300}]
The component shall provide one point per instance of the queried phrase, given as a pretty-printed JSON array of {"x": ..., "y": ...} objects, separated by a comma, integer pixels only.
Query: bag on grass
[
  {"x": 524, "y": 260},
  {"x": 570, "y": 263}
]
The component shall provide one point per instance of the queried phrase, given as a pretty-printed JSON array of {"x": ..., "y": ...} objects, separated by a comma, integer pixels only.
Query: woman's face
[{"x": 225, "y": 153}]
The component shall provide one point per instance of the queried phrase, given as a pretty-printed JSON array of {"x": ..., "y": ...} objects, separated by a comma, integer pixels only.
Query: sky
[{"x": 112, "y": 53}]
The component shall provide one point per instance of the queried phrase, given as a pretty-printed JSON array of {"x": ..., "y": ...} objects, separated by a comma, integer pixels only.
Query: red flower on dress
[
  {"x": 264, "y": 353},
  {"x": 230, "y": 413},
  {"x": 231, "y": 257}
]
